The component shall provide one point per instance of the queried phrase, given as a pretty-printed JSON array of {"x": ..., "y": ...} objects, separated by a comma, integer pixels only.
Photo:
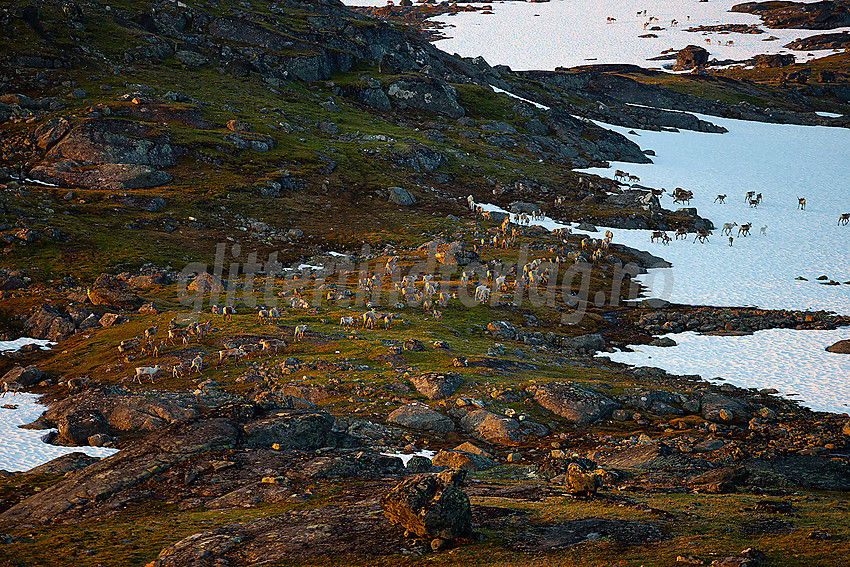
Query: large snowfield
[
  {"x": 569, "y": 33},
  {"x": 783, "y": 163}
]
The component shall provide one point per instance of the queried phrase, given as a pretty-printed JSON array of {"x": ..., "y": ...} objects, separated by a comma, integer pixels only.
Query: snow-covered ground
[
  {"x": 793, "y": 362},
  {"x": 8, "y": 346},
  {"x": 568, "y": 33},
  {"x": 23, "y": 449},
  {"x": 407, "y": 456},
  {"x": 783, "y": 163}
]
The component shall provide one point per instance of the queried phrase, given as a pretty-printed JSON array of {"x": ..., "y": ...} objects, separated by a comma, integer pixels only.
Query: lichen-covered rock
[
  {"x": 573, "y": 402},
  {"x": 110, "y": 140},
  {"x": 207, "y": 282},
  {"x": 426, "y": 93},
  {"x": 109, "y": 290},
  {"x": 455, "y": 459},
  {"x": 422, "y": 418},
  {"x": 716, "y": 407},
  {"x": 431, "y": 506},
  {"x": 291, "y": 429},
  {"x": 437, "y": 385},
  {"x": 401, "y": 196}
]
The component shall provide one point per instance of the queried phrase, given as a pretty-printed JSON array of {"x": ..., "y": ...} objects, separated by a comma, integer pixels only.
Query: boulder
[
  {"x": 657, "y": 402},
  {"x": 431, "y": 506},
  {"x": 841, "y": 347},
  {"x": 291, "y": 429},
  {"x": 109, "y": 290},
  {"x": 574, "y": 403},
  {"x": 578, "y": 476},
  {"x": 635, "y": 199},
  {"x": 454, "y": 459},
  {"x": 114, "y": 176},
  {"x": 110, "y": 319},
  {"x": 401, "y": 196},
  {"x": 376, "y": 98},
  {"x": 50, "y": 132},
  {"x": 25, "y": 376},
  {"x": 191, "y": 58},
  {"x": 46, "y": 322},
  {"x": 437, "y": 385},
  {"x": 585, "y": 343},
  {"x": 455, "y": 254},
  {"x": 207, "y": 282},
  {"x": 413, "y": 345},
  {"x": 691, "y": 56},
  {"x": 111, "y": 140},
  {"x": 763, "y": 60},
  {"x": 716, "y": 407},
  {"x": 426, "y": 93},
  {"x": 421, "y": 417},
  {"x": 492, "y": 428},
  {"x": 502, "y": 330},
  {"x": 78, "y": 426}
]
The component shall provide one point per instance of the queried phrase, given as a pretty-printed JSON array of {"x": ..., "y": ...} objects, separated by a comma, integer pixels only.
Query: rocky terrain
[{"x": 159, "y": 160}]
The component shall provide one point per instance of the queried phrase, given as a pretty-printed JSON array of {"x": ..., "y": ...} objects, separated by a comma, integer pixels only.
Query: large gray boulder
[
  {"x": 401, "y": 196},
  {"x": 437, "y": 385},
  {"x": 573, "y": 402},
  {"x": 421, "y": 417}
]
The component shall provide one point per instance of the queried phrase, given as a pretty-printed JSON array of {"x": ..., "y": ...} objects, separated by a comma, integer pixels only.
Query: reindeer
[
  {"x": 659, "y": 235},
  {"x": 801, "y": 203},
  {"x": 844, "y": 219},
  {"x": 744, "y": 229},
  {"x": 683, "y": 232},
  {"x": 721, "y": 199},
  {"x": 727, "y": 228},
  {"x": 702, "y": 236},
  {"x": 749, "y": 195}
]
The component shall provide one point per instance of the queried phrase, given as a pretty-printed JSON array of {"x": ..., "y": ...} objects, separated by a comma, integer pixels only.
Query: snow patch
[
  {"x": 793, "y": 362},
  {"x": 24, "y": 449}
]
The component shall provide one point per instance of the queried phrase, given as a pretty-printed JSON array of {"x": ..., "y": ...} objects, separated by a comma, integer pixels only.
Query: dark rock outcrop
[
  {"x": 109, "y": 140},
  {"x": 431, "y": 506},
  {"x": 233, "y": 426},
  {"x": 425, "y": 93},
  {"x": 691, "y": 56},
  {"x": 25, "y": 376}
]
